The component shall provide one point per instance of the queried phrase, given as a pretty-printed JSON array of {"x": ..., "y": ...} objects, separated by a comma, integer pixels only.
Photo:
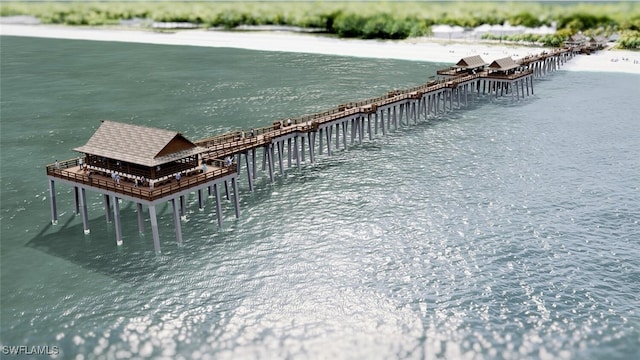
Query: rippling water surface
[{"x": 504, "y": 230}]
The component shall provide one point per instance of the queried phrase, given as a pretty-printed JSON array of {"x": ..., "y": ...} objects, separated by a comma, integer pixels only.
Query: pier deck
[{"x": 222, "y": 153}]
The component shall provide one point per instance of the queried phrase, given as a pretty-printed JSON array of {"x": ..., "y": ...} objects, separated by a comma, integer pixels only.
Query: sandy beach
[{"x": 417, "y": 49}]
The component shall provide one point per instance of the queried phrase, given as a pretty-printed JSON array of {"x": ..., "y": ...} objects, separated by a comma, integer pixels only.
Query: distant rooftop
[
  {"x": 471, "y": 62},
  {"x": 503, "y": 64}
]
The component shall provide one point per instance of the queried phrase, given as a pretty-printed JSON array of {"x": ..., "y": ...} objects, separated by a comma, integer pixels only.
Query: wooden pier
[{"x": 154, "y": 166}]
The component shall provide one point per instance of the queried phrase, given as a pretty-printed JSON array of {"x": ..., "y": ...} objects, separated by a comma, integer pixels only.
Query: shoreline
[{"x": 413, "y": 49}]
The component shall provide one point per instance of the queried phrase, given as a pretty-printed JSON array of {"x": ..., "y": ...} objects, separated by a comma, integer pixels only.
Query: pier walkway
[{"x": 220, "y": 158}]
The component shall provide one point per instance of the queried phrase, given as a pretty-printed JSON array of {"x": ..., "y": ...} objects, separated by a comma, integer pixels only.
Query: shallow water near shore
[{"x": 504, "y": 230}]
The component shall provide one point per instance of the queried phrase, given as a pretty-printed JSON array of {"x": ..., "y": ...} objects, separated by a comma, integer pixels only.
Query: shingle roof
[
  {"x": 503, "y": 64},
  {"x": 577, "y": 38},
  {"x": 138, "y": 144},
  {"x": 471, "y": 62}
]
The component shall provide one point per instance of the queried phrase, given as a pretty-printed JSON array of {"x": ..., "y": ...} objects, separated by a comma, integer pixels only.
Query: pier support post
[
  {"x": 107, "y": 208},
  {"x": 375, "y": 123},
  {"x": 302, "y": 148},
  {"x": 269, "y": 152},
  {"x": 154, "y": 228},
  {"x": 296, "y": 154},
  {"x": 312, "y": 144},
  {"x": 395, "y": 117},
  {"x": 200, "y": 200},
  {"x": 415, "y": 112},
  {"x": 320, "y": 144},
  {"x": 328, "y": 134},
  {"x": 389, "y": 118},
  {"x": 85, "y": 214},
  {"x": 344, "y": 135},
  {"x": 236, "y": 196},
  {"x": 250, "y": 176},
  {"x": 52, "y": 198},
  {"x": 451, "y": 99},
  {"x": 140, "y": 218},
  {"x": 76, "y": 199},
  {"x": 216, "y": 193},
  {"x": 289, "y": 153},
  {"x": 280, "y": 145},
  {"x": 183, "y": 210},
  {"x": 353, "y": 131},
  {"x": 226, "y": 190},
  {"x": 176, "y": 220},
  {"x": 116, "y": 220},
  {"x": 253, "y": 162}
]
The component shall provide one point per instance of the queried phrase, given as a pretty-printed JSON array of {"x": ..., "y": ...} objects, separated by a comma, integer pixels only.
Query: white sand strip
[{"x": 420, "y": 49}]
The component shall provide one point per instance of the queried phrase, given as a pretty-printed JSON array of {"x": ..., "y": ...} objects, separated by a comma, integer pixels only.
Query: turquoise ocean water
[{"x": 504, "y": 230}]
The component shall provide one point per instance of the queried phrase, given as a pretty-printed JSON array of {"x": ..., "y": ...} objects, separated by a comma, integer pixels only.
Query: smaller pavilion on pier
[
  {"x": 505, "y": 75},
  {"x": 576, "y": 41},
  {"x": 503, "y": 66},
  {"x": 466, "y": 66}
]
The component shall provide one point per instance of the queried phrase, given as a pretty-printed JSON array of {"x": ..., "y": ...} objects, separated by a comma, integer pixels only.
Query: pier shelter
[
  {"x": 466, "y": 66},
  {"x": 576, "y": 41},
  {"x": 145, "y": 165},
  {"x": 504, "y": 66},
  {"x": 138, "y": 152},
  {"x": 505, "y": 75}
]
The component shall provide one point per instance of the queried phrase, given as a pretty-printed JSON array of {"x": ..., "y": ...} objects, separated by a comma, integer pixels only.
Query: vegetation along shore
[{"x": 367, "y": 20}]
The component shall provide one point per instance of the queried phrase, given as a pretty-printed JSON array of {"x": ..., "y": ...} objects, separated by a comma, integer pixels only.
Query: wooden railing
[{"x": 161, "y": 189}]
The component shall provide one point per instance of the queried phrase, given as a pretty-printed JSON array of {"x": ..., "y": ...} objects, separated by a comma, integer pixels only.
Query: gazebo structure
[
  {"x": 466, "y": 66},
  {"x": 504, "y": 66},
  {"x": 138, "y": 152},
  {"x": 597, "y": 43},
  {"x": 145, "y": 165},
  {"x": 576, "y": 40},
  {"x": 503, "y": 74}
]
